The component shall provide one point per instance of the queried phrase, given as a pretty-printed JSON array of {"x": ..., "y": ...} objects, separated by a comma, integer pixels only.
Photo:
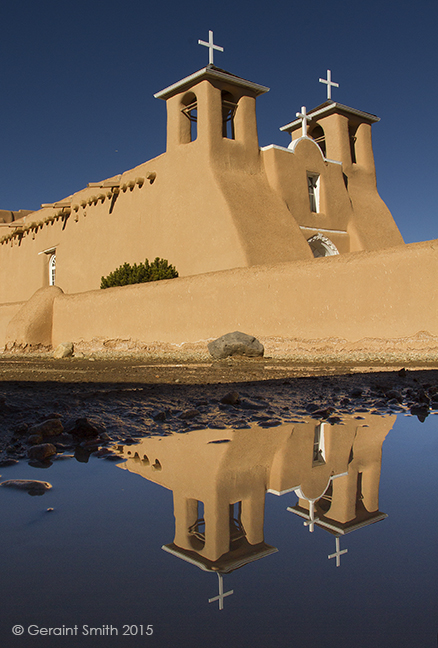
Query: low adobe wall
[{"x": 386, "y": 294}]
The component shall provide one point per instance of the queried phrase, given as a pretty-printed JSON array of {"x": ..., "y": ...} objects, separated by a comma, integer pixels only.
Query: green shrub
[{"x": 127, "y": 274}]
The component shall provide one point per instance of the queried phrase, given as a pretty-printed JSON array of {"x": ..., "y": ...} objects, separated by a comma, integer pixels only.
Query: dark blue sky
[{"x": 78, "y": 78}]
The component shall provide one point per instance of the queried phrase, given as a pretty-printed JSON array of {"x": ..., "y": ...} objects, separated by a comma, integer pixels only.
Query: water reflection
[{"x": 219, "y": 480}]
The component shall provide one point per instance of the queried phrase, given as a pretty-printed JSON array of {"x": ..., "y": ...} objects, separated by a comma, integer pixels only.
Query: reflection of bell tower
[
  {"x": 218, "y": 479},
  {"x": 350, "y": 500}
]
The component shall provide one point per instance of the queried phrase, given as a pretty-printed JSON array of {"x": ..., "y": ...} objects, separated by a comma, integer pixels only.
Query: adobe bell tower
[{"x": 212, "y": 109}]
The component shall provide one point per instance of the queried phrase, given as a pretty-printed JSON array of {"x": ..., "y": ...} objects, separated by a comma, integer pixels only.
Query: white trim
[
  {"x": 275, "y": 146},
  {"x": 333, "y": 161},
  {"x": 319, "y": 229},
  {"x": 209, "y": 73},
  {"x": 52, "y": 269},
  {"x": 330, "y": 107},
  {"x": 50, "y": 250},
  {"x": 288, "y": 150},
  {"x": 283, "y": 492},
  {"x": 293, "y": 145}
]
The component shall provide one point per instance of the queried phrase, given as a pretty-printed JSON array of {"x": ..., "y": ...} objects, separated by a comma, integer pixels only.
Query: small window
[
  {"x": 313, "y": 187},
  {"x": 318, "y": 458},
  {"x": 52, "y": 269}
]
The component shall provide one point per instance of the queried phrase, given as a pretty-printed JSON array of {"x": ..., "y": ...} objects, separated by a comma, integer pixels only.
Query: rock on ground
[
  {"x": 32, "y": 486},
  {"x": 41, "y": 452},
  {"x": 63, "y": 350},
  {"x": 236, "y": 343}
]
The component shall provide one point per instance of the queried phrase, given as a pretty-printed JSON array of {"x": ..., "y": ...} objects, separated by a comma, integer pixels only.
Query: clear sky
[{"x": 78, "y": 78}]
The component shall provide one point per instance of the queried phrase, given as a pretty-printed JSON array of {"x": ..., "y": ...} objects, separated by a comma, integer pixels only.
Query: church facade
[
  {"x": 281, "y": 242},
  {"x": 213, "y": 201}
]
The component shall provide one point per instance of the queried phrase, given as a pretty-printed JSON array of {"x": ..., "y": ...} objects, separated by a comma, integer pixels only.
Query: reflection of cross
[
  {"x": 304, "y": 119},
  {"x": 211, "y": 47},
  {"x": 312, "y": 519},
  {"x": 338, "y": 553},
  {"x": 221, "y": 594},
  {"x": 329, "y": 84}
]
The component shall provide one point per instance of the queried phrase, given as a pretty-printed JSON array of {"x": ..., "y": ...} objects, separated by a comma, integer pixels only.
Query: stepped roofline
[
  {"x": 212, "y": 73},
  {"x": 328, "y": 108}
]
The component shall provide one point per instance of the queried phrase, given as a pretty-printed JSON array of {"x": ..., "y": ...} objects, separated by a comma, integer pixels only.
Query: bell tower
[{"x": 212, "y": 109}]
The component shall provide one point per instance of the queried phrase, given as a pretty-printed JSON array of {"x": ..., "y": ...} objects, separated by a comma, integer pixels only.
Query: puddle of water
[{"x": 143, "y": 544}]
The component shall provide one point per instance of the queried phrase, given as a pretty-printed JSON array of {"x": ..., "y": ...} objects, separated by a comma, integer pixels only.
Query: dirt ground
[{"x": 198, "y": 371}]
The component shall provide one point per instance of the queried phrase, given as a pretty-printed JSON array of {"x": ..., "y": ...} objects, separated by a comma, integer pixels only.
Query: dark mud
[{"x": 87, "y": 406}]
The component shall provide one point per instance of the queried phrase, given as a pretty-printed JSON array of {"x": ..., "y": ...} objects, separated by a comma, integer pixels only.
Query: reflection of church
[{"x": 219, "y": 479}]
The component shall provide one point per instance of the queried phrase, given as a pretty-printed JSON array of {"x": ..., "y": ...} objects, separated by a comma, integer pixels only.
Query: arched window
[
  {"x": 228, "y": 111},
  {"x": 321, "y": 246},
  {"x": 190, "y": 110},
  {"x": 317, "y": 134},
  {"x": 52, "y": 269}
]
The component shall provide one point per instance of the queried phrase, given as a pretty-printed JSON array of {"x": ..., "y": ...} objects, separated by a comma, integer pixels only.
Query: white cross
[
  {"x": 211, "y": 47},
  {"x": 338, "y": 553},
  {"x": 329, "y": 84},
  {"x": 310, "y": 522},
  {"x": 221, "y": 594},
  {"x": 304, "y": 119}
]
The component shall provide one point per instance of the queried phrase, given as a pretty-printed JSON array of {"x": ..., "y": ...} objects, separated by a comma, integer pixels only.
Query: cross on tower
[
  {"x": 338, "y": 553},
  {"x": 304, "y": 119},
  {"x": 329, "y": 84},
  {"x": 211, "y": 47},
  {"x": 220, "y": 597}
]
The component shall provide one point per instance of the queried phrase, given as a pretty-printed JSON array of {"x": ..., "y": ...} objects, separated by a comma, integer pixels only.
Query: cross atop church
[
  {"x": 338, "y": 553},
  {"x": 328, "y": 81},
  {"x": 304, "y": 119},
  {"x": 220, "y": 597},
  {"x": 211, "y": 47}
]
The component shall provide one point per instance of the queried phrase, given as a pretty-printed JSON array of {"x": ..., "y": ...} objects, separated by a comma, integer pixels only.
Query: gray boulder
[{"x": 236, "y": 343}]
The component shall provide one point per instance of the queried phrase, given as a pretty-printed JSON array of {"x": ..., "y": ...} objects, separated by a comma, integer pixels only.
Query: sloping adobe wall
[
  {"x": 7, "y": 313},
  {"x": 32, "y": 324},
  {"x": 385, "y": 294}
]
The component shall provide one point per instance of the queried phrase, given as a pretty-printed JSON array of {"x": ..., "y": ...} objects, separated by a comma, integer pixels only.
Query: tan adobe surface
[{"x": 215, "y": 202}]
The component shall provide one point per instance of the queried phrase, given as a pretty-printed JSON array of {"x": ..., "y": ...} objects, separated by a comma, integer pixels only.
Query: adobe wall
[
  {"x": 7, "y": 313},
  {"x": 168, "y": 218},
  {"x": 384, "y": 294}
]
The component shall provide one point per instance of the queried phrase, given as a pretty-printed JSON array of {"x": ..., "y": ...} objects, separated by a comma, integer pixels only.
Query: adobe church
[{"x": 219, "y": 208}]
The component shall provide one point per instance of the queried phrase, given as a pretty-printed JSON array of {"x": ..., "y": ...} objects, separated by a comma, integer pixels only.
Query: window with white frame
[
  {"x": 313, "y": 188},
  {"x": 318, "y": 446},
  {"x": 52, "y": 269}
]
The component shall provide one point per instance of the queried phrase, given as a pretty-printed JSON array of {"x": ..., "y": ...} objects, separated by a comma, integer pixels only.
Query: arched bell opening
[
  {"x": 189, "y": 127},
  {"x": 196, "y": 531},
  {"x": 318, "y": 135},
  {"x": 229, "y": 106}
]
